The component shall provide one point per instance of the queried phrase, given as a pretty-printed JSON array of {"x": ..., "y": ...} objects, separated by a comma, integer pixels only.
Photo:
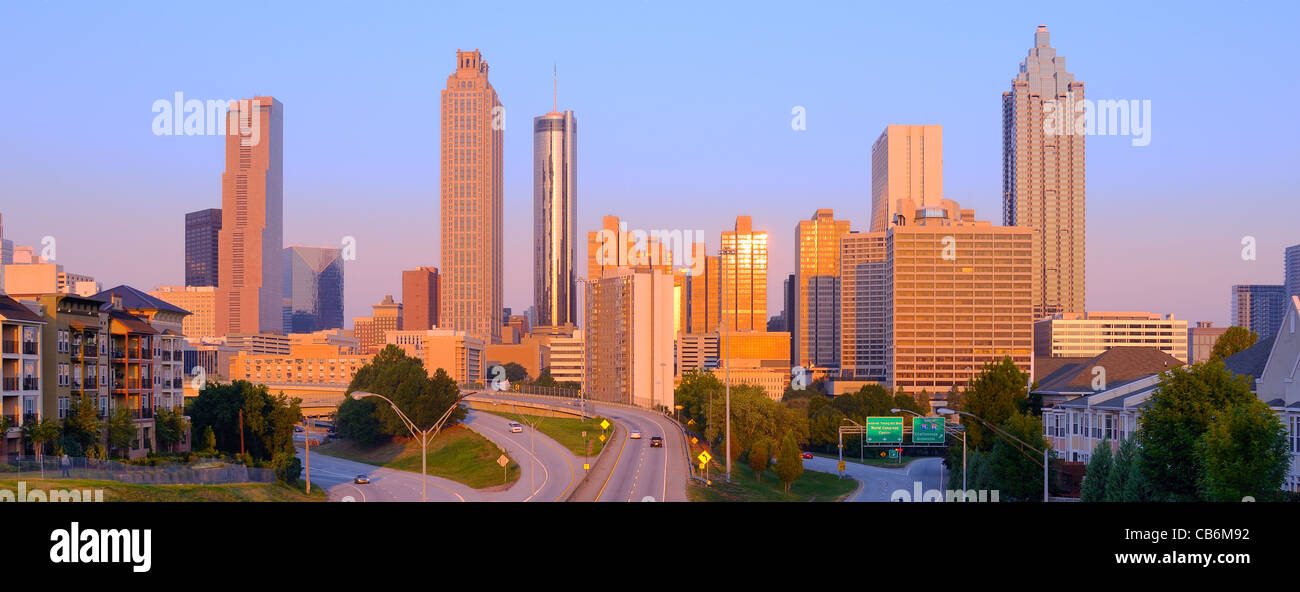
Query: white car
[
  {"x": 635, "y": 435},
  {"x": 515, "y": 428}
]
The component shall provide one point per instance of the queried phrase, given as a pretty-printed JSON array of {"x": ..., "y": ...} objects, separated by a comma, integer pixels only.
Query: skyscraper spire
[{"x": 555, "y": 82}]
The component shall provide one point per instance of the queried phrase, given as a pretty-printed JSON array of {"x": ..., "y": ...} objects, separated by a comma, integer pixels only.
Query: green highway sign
[
  {"x": 884, "y": 430},
  {"x": 893, "y": 453},
  {"x": 927, "y": 430}
]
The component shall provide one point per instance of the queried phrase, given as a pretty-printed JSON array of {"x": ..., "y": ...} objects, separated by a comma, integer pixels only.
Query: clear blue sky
[{"x": 684, "y": 122}]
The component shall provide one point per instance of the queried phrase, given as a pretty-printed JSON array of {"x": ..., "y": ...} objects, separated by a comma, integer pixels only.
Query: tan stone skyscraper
[
  {"x": 249, "y": 295},
  {"x": 1043, "y": 174},
  {"x": 906, "y": 173},
  {"x": 815, "y": 330},
  {"x": 473, "y": 121},
  {"x": 743, "y": 263}
]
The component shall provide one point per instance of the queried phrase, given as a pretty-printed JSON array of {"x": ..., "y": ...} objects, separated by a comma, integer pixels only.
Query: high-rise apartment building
[
  {"x": 906, "y": 173},
  {"x": 202, "y": 245},
  {"x": 1043, "y": 173},
  {"x": 1291, "y": 270},
  {"x": 419, "y": 298},
  {"x": 251, "y": 239},
  {"x": 863, "y": 281},
  {"x": 371, "y": 331},
  {"x": 1088, "y": 334},
  {"x": 816, "y": 336},
  {"x": 21, "y": 396},
  {"x": 742, "y": 263},
  {"x": 1258, "y": 308},
  {"x": 555, "y": 218},
  {"x": 629, "y": 337},
  {"x": 473, "y": 122},
  {"x": 313, "y": 289},
  {"x": 199, "y": 301}
]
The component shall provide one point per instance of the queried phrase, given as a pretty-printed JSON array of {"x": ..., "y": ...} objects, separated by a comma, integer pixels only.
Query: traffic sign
[
  {"x": 841, "y": 466},
  {"x": 602, "y": 437},
  {"x": 586, "y": 466},
  {"x": 694, "y": 440},
  {"x": 705, "y": 456},
  {"x": 503, "y": 460},
  {"x": 893, "y": 453},
  {"x": 702, "y": 465},
  {"x": 604, "y": 424},
  {"x": 884, "y": 430},
  {"x": 927, "y": 430}
]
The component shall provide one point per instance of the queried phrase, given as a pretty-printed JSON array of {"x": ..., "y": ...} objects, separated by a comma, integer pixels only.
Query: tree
[
  {"x": 544, "y": 378},
  {"x": 357, "y": 422},
  {"x": 41, "y": 434},
  {"x": 823, "y": 422},
  {"x": 268, "y": 420},
  {"x": 1177, "y": 417},
  {"x": 209, "y": 441},
  {"x": 1232, "y": 341},
  {"x": 405, "y": 381},
  {"x": 1245, "y": 452},
  {"x": 1136, "y": 486},
  {"x": 121, "y": 430},
  {"x": 1018, "y": 474},
  {"x": 81, "y": 428},
  {"x": 995, "y": 395},
  {"x": 1098, "y": 474},
  {"x": 287, "y": 466},
  {"x": 693, "y": 393},
  {"x": 516, "y": 372},
  {"x": 1120, "y": 469},
  {"x": 759, "y": 457},
  {"x": 169, "y": 427},
  {"x": 789, "y": 463}
]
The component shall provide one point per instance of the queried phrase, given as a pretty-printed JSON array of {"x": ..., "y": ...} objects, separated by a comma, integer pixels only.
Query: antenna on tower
[{"x": 555, "y": 81}]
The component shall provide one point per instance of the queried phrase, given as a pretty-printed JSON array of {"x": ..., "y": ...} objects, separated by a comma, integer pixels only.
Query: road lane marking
[
  {"x": 546, "y": 475},
  {"x": 611, "y": 471}
]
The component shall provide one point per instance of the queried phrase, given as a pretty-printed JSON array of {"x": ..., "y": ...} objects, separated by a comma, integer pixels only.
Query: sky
[{"x": 684, "y": 120}]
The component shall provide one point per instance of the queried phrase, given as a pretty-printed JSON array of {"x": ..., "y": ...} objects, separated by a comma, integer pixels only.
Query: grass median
[
  {"x": 812, "y": 486},
  {"x": 131, "y": 492},
  {"x": 458, "y": 453},
  {"x": 565, "y": 430}
]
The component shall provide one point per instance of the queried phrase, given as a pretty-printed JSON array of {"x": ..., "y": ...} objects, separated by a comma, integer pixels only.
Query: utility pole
[
  {"x": 241, "y": 432},
  {"x": 308, "y": 448},
  {"x": 726, "y": 352}
]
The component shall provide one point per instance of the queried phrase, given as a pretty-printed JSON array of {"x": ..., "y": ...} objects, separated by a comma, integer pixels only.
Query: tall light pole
[
  {"x": 424, "y": 436},
  {"x": 582, "y": 392},
  {"x": 1004, "y": 434},
  {"x": 726, "y": 351}
]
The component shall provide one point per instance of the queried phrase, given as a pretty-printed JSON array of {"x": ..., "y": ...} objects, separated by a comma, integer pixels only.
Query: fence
[
  {"x": 208, "y": 472},
  {"x": 526, "y": 389}
]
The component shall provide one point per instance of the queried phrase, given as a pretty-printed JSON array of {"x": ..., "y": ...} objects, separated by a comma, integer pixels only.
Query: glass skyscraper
[
  {"x": 555, "y": 215},
  {"x": 202, "y": 232},
  {"x": 313, "y": 289}
]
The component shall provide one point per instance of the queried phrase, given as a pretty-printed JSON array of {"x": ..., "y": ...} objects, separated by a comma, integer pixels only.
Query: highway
[
  {"x": 640, "y": 473},
  {"x": 877, "y": 484}
]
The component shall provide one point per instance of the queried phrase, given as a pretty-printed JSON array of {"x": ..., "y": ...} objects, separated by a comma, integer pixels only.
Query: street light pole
[
  {"x": 1004, "y": 434},
  {"x": 424, "y": 436},
  {"x": 726, "y": 352}
]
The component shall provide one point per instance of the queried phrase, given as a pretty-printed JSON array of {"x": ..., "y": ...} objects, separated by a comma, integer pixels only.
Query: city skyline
[{"x": 1191, "y": 292}]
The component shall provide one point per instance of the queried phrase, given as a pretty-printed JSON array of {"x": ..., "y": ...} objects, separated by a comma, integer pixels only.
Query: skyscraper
[
  {"x": 863, "y": 281},
  {"x": 1043, "y": 174},
  {"x": 472, "y": 124},
  {"x": 555, "y": 215},
  {"x": 815, "y": 336},
  {"x": 1291, "y": 270},
  {"x": 313, "y": 289},
  {"x": 906, "y": 173},
  {"x": 629, "y": 355},
  {"x": 420, "y": 299},
  {"x": 249, "y": 293},
  {"x": 743, "y": 265},
  {"x": 202, "y": 245},
  {"x": 1259, "y": 308}
]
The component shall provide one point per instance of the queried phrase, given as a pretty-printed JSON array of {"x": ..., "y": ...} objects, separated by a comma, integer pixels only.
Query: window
[{"x": 63, "y": 407}]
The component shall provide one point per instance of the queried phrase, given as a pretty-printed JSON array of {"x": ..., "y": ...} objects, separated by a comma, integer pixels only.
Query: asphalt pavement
[{"x": 877, "y": 484}]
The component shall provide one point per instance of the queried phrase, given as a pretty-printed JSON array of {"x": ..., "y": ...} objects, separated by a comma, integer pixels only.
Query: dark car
[
  {"x": 361, "y": 479},
  {"x": 656, "y": 442}
]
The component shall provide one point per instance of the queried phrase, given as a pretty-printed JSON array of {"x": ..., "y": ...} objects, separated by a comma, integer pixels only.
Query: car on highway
[
  {"x": 807, "y": 454},
  {"x": 361, "y": 479},
  {"x": 297, "y": 429},
  {"x": 636, "y": 435},
  {"x": 656, "y": 442},
  {"x": 515, "y": 428}
]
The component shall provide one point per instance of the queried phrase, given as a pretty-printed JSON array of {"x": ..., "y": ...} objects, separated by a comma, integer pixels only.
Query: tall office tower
[
  {"x": 906, "y": 173},
  {"x": 199, "y": 301},
  {"x": 614, "y": 246},
  {"x": 743, "y": 267},
  {"x": 1259, "y": 308},
  {"x": 473, "y": 122},
  {"x": 705, "y": 297},
  {"x": 862, "y": 306},
  {"x": 1043, "y": 174},
  {"x": 789, "y": 315},
  {"x": 630, "y": 338},
  {"x": 555, "y": 217},
  {"x": 249, "y": 295},
  {"x": 1291, "y": 270},
  {"x": 815, "y": 338},
  {"x": 313, "y": 289},
  {"x": 202, "y": 245},
  {"x": 419, "y": 298}
]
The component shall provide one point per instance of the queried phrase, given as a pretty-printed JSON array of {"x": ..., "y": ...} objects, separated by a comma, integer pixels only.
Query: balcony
[
  {"x": 31, "y": 383},
  {"x": 31, "y": 348},
  {"x": 31, "y": 418},
  {"x": 178, "y": 383},
  {"x": 89, "y": 350},
  {"x": 11, "y": 383},
  {"x": 12, "y": 419},
  {"x": 119, "y": 354},
  {"x": 11, "y": 346},
  {"x": 91, "y": 384},
  {"x": 146, "y": 413}
]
